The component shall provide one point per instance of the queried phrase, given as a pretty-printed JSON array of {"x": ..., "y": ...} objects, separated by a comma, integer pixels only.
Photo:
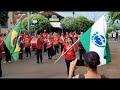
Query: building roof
[
  {"x": 15, "y": 17},
  {"x": 44, "y": 13},
  {"x": 50, "y": 13}
]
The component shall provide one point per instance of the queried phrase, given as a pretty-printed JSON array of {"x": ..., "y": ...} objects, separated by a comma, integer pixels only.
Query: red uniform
[
  {"x": 23, "y": 36},
  {"x": 61, "y": 39},
  {"x": 76, "y": 37},
  {"x": 56, "y": 41},
  {"x": 44, "y": 35},
  {"x": 39, "y": 43},
  {"x": 70, "y": 55},
  {"x": 80, "y": 46},
  {"x": 67, "y": 36},
  {"x": 3, "y": 44},
  {"x": 27, "y": 42},
  {"x": 49, "y": 42},
  {"x": 71, "y": 35}
]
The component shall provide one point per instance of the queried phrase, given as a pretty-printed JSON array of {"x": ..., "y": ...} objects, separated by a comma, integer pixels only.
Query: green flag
[
  {"x": 12, "y": 40},
  {"x": 96, "y": 39}
]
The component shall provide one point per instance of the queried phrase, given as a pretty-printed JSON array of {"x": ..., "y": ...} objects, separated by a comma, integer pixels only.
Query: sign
[
  {"x": 54, "y": 18},
  {"x": 34, "y": 22}
]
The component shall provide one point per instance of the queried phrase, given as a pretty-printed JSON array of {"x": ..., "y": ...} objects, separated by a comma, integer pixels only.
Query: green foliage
[
  {"x": 113, "y": 28},
  {"x": 69, "y": 23},
  {"x": 3, "y": 17},
  {"x": 42, "y": 23},
  {"x": 110, "y": 29},
  {"x": 84, "y": 23},
  {"x": 112, "y": 16},
  {"x": 76, "y": 24}
]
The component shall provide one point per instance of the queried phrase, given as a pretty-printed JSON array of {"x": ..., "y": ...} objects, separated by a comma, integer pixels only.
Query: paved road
[{"x": 28, "y": 68}]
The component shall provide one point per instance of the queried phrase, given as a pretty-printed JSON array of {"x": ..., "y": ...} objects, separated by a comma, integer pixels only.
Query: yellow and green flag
[{"x": 12, "y": 41}]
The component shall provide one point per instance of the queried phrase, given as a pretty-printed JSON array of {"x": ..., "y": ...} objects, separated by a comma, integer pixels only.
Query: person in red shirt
[
  {"x": 70, "y": 55},
  {"x": 39, "y": 49},
  {"x": 76, "y": 37},
  {"x": 56, "y": 43},
  {"x": 66, "y": 36},
  {"x": 44, "y": 36},
  {"x": 62, "y": 41},
  {"x": 27, "y": 45},
  {"x": 23, "y": 36},
  {"x": 1, "y": 49},
  {"x": 49, "y": 46},
  {"x": 81, "y": 49}
]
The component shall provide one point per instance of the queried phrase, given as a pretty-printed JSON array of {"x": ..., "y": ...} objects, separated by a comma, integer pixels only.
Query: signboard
[
  {"x": 54, "y": 18},
  {"x": 34, "y": 22}
]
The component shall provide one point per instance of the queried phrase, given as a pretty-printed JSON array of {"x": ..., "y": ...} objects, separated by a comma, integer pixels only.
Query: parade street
[{"x": 28, "y": 67}]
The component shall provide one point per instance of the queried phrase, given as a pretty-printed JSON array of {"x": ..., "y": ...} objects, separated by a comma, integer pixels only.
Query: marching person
[
  {"x": 70, "y": 55},
  {"x": 27, "y": 45},
  {"x": 56, "y": 43},
  {"x": 44, "y": 36},
  {"x": 49, "y": 46},
  {"x": 62, "y": 41},
  {"x": 67, "y": 36},
  {"x": 91, "y": 61},
  {"x": 116, "y": 36},
  {"x": 39, "y": 49},
  {"x": 81, "y": 49}
]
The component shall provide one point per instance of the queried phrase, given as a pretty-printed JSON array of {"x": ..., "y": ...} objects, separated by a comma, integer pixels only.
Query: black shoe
[{"x": 37, "y": 62}]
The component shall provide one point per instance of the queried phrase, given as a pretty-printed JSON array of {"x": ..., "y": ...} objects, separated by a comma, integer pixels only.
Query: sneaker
[
  {"x": 4, "y": 62},
  {"x": 9, "y": 61}
]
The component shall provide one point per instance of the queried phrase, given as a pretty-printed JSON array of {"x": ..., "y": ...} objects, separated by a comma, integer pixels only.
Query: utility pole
[
  {"x": 28, "y": 22},
  {"x": 73, "y": 13},
  {"x": 94, "y": 17}
]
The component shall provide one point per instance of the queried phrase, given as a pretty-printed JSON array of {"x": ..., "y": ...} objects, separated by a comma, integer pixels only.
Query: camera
[{"x": 80, "y": 62}]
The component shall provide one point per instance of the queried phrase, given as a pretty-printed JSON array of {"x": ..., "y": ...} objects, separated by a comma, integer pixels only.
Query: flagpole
[
  {"x": 12, "y": 28},
  {"x": 104, "y": 14},
  {"x": 66, "y": 51}
]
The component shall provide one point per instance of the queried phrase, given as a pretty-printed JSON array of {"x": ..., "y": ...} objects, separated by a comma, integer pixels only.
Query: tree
[
  {"x": 84, "y": 23},
  {"x": 3, "y": 17},
  {"x": 112, "y": 16},
  {"x": 42, "y": 23},
  {"x": 69, "y": 23},
  {"x": 113, "y": 28}
]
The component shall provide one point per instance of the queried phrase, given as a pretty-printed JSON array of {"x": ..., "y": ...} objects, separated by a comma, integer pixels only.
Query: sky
[{"x": 88, "y": 14}]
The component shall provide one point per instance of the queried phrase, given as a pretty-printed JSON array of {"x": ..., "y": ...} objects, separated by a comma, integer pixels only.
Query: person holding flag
[
  {"x": 70, "y": 54},
  {"x": 12, "y": 41},
  {"x": 95, "y": 41}
]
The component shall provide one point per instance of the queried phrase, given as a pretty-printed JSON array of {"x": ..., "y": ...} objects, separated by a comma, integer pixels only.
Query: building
[{"x": 53, "y": 17}]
